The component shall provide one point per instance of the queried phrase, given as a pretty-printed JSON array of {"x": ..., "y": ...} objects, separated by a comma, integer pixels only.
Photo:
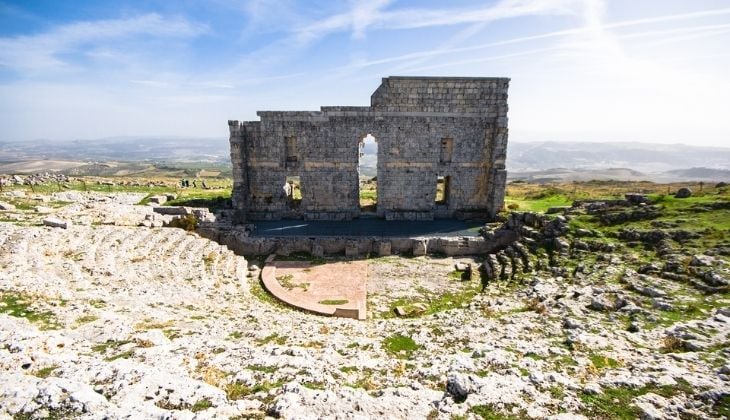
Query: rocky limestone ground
[{"x": 100, "y": 320}]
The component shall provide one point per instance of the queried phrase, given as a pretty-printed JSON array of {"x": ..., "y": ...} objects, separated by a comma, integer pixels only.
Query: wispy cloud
[
  {"x": 364, "y": 15},
  {"x": 416, "y": 57},
  {"x": 42, "y": 51}
]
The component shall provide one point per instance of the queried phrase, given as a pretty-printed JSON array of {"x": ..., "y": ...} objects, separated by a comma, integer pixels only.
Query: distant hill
[
  {"x": 539, "y": 161},
  {"x": 642, "y": 157},
  {"x": 139, "y": 149},
  {"x": 701, "y": 173},
  {"x": 569, "y": 175}
]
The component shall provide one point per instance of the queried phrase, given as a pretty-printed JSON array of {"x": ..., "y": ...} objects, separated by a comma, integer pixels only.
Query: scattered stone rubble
[{"x": 156, "y": 322}]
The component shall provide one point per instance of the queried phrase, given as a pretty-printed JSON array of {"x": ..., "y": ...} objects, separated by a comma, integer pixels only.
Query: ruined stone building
[{"x": 429, "y": 130}]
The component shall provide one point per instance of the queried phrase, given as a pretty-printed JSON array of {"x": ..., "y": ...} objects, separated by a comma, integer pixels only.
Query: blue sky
[{"x": 582, "y": 70}]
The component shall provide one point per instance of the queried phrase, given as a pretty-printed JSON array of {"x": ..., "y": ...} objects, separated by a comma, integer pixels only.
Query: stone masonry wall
[{"x": 411, "y": 118}]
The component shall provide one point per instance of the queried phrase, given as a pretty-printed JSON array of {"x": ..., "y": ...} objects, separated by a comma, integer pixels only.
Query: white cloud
[
  {"x": 42, "y": 52},
  {"x": 416, "y": 57},
  {"x": 373, "y": 14}
]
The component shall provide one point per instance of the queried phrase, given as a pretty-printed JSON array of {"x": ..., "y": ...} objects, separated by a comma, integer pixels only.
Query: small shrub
[
  {"x": 209, "y": 259},
  {"x": 602, "y": 362},
  {"x": 86, "y": 319},
  {"x": 536, "y": 306},
  {"x": 556, "y": 392},
  {"x": 672, "y": 344},
  {"x": 45, "y": 372},
  {"x": 201, "y": 405},
  {"x": 187, "y": 222},
  {"x": 275, "y": 338},
  {"x": 489, "y": 412}
]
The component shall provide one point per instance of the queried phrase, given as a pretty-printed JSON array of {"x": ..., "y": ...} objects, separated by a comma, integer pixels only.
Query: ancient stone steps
[
  {"x": 152, "y": 244},
  {"x": 172, "y": 245},
  {"x": 132, "y": 242}
]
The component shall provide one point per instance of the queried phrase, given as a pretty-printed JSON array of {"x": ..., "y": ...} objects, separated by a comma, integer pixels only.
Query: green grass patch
[
  {"x": 603, "y": 362},
  {"x": 538, "y": 204},
  {"x": 201, "y": 405},
  {"x": 437, "y": 302},
  {"x": 86, "y": 319},
  {"x": 318, "y": 386},
  {"x": 213, "y": 200},
  {"x": 238, "y": 391},
  {"x": 262, "y": 368},
  {"x": 273, "y": 338},
  {"x": 109, "y": 345},
  {"x": 489, "y": 412},
  {"x": 616, "y": 403},
  {"x": 400, "y": 346},
  {"x": 45, "y": 372},
  {"x": 333, "y": 302},
  {"x": 20, "y": 305},
  {"x": 368, "y": 195},
  {"x": 287, "y": 283},
  {"x": 123, "y": 355},
  {"x": 456, "y": 275}
]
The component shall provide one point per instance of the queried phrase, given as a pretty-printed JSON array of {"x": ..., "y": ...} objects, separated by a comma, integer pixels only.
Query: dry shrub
[
  {"x": 187, "y": 222},
  {"x": 536, "y": 306},
  {"x": 672, "y": 344}
]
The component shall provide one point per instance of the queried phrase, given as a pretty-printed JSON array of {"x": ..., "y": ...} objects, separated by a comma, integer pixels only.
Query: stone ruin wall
[{"x": 425, "y": 127}]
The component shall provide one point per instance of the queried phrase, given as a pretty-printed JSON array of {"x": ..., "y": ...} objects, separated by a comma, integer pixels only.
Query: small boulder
[
  {"x": 702, "y": 261},
  {"x": 6, "y": 206},
  {"x": 683, "y": 192},
  {"x": 637, "y": 198},
  {"x": 592, "y": 389},
  {"x": 602, "y": 303},
  {"x": 459, "y": 386},
  {"x": 571, "y": 324},
  {"x": 158, "y": 199},
  {"x": 411, "y": 310},
  {"x": 53, "y": 222},
  {"x": 460, "y": 266},
  {"x": 557, "y": 209}
]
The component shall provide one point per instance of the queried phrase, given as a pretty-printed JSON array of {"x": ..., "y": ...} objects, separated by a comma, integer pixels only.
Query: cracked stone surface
[{"x": 131, "y": 322}]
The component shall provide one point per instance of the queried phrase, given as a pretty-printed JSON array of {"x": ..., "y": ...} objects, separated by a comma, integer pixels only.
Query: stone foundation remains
[{"x": 427, "y": 128}]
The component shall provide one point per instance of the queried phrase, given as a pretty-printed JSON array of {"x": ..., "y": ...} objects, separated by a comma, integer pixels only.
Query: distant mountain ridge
[
  {"x": 120, "y": 149},
  {"x": 538, "y": 161},
  {"x": 642, "y": 157}
]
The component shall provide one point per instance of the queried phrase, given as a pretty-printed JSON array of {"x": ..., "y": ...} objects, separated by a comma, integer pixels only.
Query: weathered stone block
[
  {"x": 317, "y": 250},
  {"x": 420, "y": 247},
  {"x": 352, "y": 249},
  {"x": 382, "y": 248},
  {"x": 54, "y": 222}
]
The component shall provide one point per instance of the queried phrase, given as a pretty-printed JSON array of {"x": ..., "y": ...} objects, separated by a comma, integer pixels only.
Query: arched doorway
[{"x": 367, "y": 170}]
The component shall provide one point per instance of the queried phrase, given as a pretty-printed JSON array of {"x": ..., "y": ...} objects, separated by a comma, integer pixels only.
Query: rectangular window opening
[
  {"x": 447, "y": 149},
  {"x": 442, "y": 190},
  {"x": 291, "y": 149}
]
